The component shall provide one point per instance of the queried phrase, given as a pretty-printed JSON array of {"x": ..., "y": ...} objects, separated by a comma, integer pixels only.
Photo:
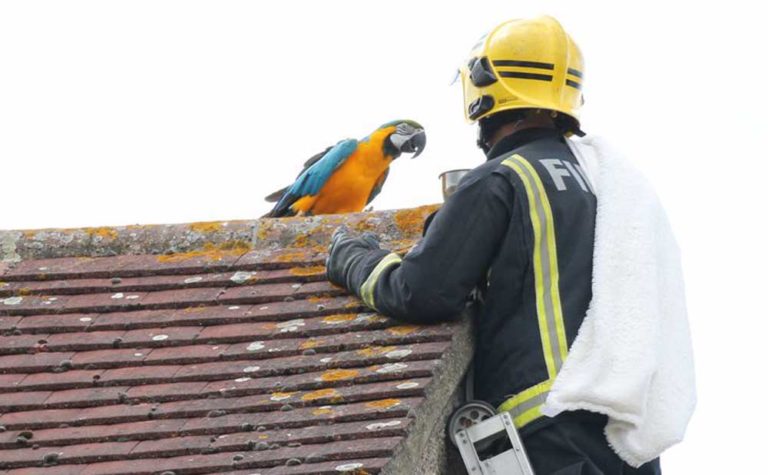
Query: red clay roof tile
[{"x": 217, "y": 358}]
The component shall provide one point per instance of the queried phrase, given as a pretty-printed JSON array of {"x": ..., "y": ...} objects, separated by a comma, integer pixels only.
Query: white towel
[{"x": 632, "y": 358}]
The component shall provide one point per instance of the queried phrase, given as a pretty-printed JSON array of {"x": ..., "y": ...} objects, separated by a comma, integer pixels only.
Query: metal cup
[{"x": 450, "y": 180}]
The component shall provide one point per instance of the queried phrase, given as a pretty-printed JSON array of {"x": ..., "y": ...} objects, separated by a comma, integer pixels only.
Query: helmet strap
[
  {"x": 488, "y": 126},
  {"x": 482, "y": 143}
]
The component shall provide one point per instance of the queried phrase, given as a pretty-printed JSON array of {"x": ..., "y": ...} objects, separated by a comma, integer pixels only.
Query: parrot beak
[{"x": 415, "y": 140}]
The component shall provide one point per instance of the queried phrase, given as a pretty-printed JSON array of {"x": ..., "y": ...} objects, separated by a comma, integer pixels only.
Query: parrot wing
[
  {"x": 316, "y": 172},
  {"x": 316, "y": 157},
  {"x": 378, "y": 186},
  {"x": 275, "y": 196}
]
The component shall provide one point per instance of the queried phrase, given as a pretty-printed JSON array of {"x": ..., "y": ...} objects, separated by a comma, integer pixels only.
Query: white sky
[{"x": 136, "y": 111}]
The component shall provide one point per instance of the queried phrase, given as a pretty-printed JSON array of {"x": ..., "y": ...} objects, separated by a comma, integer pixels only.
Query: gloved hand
[{"x": 344, "y": 253}]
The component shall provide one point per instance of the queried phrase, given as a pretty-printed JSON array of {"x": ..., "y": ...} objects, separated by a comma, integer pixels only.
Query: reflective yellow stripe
[
  {"x": 521, "y": 397},
  {"x": 537, "y": 264},
  {"x": 525, "y": 406},
  {"x": 366, "y": 290},
  {"x": 553, "y": 269},
  {"x": 528, "y": 416}
]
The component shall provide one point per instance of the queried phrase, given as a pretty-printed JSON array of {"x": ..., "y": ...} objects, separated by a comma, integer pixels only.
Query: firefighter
[{"x": 520, "y": 228}]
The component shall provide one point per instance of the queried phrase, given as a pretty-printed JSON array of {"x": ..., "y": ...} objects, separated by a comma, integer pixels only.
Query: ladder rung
[{"x": 485, "y": 429}]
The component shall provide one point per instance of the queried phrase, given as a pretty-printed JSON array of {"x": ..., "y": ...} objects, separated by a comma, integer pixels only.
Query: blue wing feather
[{"x": 314, "y": 177}]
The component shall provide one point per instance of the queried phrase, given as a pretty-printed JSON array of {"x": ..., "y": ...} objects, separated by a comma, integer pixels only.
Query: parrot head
[{"x": 407, "y": 136}]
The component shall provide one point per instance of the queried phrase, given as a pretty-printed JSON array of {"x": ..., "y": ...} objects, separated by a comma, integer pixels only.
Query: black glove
[{"x": 347, "y": 256}]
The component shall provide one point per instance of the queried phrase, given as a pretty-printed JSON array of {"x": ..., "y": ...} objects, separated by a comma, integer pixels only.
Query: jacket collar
[{"x": 520, "y": 138}]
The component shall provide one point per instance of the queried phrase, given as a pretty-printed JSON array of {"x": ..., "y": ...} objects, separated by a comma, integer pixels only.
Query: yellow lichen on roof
[
  {"x": 291, "y": 256},
  {"x": 383, "y": 404},
  {"x": 339, "y": 374},
  {"x": 320, "y": 394},
  {"x": 210, "y": 252},
  {"x": 103, "y": 232},
  {"x": 306, "y": 271},
  {"x": 311, "y": 343},
  {"x": 375, "y": 350},
  {"x": 194, "y": 309},
  {"x": 279, "y": 396},
  {"x": 263, "y": 233},
  {"x": 206, "y": 227},
  {"x": 410, "y": 221},
  {"x": 363, "y": 226},
  {"x": 302, "y": 240},
  {"x": 341, "y": 318},
  {"x": 402, "y": 330}
]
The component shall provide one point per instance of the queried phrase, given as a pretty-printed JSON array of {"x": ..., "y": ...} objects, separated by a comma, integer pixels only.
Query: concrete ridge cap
[{"x": 265, "y": 233}]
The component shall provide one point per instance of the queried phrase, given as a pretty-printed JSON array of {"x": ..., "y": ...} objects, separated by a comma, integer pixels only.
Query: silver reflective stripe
[
  {"x": 366, "y": 290},
  {"x": 525, "y": 406},
  {"x": 546, "y": 275}
]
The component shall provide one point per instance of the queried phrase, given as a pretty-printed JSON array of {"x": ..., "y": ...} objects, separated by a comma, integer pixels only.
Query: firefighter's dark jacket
[{"x": 520, "y": 228}]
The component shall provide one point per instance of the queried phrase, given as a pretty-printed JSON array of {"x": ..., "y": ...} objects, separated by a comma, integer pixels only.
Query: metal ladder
[
  {"x": 475, "y": 429},
  {"x": 513, "y": 461}
]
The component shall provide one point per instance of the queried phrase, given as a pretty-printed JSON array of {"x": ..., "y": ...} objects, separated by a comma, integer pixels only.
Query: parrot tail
[{"x": 275, "y": 196}]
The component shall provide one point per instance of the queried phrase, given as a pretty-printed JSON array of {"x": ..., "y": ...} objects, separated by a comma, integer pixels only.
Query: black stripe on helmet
[
  {"x": 518, "y": 75},
  {"x": 573, "y": 84},
  {"x": 575, "y": 72},
  {"x": 524, "y": 64}
]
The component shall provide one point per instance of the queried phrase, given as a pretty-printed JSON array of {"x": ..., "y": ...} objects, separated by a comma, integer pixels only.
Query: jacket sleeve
[{"x": 432, "y": 281}]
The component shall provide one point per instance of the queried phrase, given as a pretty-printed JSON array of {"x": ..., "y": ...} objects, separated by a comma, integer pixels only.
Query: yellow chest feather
[{"x": 350, "y": 186}]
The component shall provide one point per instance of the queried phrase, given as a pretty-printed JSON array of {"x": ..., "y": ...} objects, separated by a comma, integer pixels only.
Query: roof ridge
[{"x": 224, "y": 236}]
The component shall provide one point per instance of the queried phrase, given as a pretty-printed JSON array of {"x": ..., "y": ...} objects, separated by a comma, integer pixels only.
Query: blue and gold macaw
[{"x": 346, "y": 177}]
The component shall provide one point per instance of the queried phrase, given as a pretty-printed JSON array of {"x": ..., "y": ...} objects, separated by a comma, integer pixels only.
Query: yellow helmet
[{"x": 523, "y": 64}]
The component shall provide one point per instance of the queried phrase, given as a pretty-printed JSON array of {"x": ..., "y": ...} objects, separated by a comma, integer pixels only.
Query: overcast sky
[{"x": 115, "y": 113}]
